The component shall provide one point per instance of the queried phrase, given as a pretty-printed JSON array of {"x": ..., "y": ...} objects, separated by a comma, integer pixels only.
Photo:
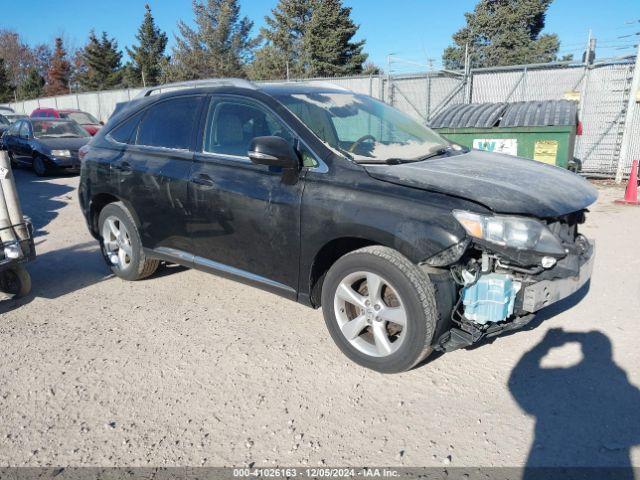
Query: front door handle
[{"x": 203, "y": 179}]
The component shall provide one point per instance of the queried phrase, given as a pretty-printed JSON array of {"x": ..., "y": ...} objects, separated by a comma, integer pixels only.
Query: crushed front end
[{"x": 508, "y": 268}]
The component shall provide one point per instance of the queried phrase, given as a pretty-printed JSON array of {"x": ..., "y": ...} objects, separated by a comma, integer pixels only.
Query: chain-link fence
[{"x": 610, "y": 121}]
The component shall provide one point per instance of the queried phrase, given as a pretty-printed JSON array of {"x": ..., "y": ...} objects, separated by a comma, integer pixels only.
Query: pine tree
[
  {"x": 219, "y": 46},
  {"x": 148, "y": 57},
  {"x": 309, "y": 38},
  {"x": 32, "y": 86},
  {"x": 328, "y": 43},
  {"x": 283, "y": 51},
  {"x": 59, "y": 71},
  {"x": 101, "y": 59},
  {"x": 6, "y": 90},
  {"x": 503, "y": 32}
]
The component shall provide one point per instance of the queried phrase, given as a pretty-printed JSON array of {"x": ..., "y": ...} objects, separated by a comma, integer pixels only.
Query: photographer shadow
[{"x": 586, "y": 414}]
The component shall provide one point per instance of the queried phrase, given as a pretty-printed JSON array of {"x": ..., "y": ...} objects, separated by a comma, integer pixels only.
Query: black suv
[{"x": 408, "y": 242}]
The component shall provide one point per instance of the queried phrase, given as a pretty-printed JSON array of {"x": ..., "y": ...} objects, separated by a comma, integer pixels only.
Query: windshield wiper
[{"x": 435, "y": 153}]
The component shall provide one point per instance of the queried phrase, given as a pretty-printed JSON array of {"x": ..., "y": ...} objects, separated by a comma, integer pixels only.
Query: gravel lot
[{"x": 189, "y": 369}]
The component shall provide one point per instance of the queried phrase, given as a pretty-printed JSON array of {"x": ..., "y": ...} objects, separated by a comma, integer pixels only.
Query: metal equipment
[{"x": 16, "y": 236}]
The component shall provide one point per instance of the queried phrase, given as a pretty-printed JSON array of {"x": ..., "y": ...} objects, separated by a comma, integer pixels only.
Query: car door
[
  {"x": 23, "y": 145},
  {"x": 153, "y": 171},
  {"x": 244, "y": 218},
  {"x": 10, "y": 138}
]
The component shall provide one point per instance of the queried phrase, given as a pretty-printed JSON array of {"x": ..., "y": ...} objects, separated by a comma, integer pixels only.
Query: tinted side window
[
  {"x": 231, "y": 125},
  {"x": 13, "y": 130},
  {"x": 24, "y": 129},
  {"x": 169, "y": 124},
  {"x": 125, "y": 132}
]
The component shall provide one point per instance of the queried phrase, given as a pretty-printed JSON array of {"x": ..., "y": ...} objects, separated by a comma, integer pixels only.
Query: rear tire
[
  {"x": 121, "y": 245},
  {"x": 40, "y": 166},
  {"x": 390, "y": 327},
  {"x": 12, "y": 159}
]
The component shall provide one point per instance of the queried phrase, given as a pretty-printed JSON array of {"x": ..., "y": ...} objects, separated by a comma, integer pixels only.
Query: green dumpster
[{"x": 542, "y": 131}]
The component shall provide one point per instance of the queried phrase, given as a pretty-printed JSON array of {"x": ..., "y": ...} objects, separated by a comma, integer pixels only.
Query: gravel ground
[{"x": 189, "y": 369}]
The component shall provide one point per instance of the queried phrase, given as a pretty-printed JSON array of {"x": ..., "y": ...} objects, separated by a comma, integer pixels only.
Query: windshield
[
  {"x": 48, "y": 128},
  {"x": 83, "y": 118},
  {"x": 13, "y": 118},
  {"x": 365, "y": 129}
]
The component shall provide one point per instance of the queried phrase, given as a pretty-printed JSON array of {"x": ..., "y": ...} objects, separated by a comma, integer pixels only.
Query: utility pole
[
  {"x": 631, "y": 106},
  {"x": 589, "y": 54}
]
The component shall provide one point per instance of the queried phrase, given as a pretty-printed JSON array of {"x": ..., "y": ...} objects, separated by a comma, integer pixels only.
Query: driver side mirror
[{"x": 274, "y": 152}]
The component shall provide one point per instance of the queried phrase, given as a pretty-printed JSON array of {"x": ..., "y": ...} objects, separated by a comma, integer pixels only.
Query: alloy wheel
[
  {"x": 117, "y": 242},
  {"x": 370, "y": 313}
]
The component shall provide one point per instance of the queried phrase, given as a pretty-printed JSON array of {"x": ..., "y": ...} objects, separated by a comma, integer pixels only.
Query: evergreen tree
[
  {"x": 59, "y": 71},
  {"x": 283, "y": 52},
  {"x": 503, "y": 32},
  {"x": 6, "y": 90},
  {"x": 219, "y": 46},
  {"x": 148, "y": 56},
  {"x": 32, "y": 86},
  {"x": 101, "y": 59},
  {"x": 328, "y": 44},
  {"x": 308, "y": 38}
]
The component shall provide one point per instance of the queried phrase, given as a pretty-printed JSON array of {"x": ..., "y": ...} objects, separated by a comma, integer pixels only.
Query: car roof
[
  {"x": 47, "y": 119},
  {"x": 284, "y": 88},
  {"x": 221, "y": 86}
]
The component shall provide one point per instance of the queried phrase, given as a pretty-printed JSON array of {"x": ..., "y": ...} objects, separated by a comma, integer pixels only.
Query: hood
[
  {"x": 63, "y": 143},
  {"x": 503, "y": 183}
]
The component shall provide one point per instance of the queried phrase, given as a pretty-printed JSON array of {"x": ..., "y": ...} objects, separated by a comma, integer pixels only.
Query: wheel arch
[
  {"x": 326, "y": 256},
  {"x": 101, "y": 200}
]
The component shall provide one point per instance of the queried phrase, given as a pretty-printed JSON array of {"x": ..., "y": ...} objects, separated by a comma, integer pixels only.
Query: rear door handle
[{"x": 203, "y": 179}]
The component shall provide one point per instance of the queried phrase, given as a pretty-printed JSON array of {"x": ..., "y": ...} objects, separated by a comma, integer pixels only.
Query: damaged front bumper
[
  {"x": 535, "y": 294},
  {"x": 543, "y": 293}
]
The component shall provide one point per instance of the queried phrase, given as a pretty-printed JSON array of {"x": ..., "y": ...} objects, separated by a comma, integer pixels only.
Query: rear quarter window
[
  {"x": 170, "y": 123},
  {"x": 125, "y": 132}
]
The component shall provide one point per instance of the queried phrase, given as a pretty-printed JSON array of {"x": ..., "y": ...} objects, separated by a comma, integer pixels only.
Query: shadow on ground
[
  {"x": 586, "y": 414},
  {"x": 38, "y": 198}
]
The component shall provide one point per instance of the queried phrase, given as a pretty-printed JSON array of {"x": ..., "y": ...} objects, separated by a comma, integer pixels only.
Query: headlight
[
  {"x": 515, "y": 232},
  {"x": 61, "y": 153}
]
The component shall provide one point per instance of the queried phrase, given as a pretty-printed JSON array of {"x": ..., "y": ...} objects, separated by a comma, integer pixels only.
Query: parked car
[
  {"x": 5, "y": 110},
  {"x": 409, "y": 243},
  {"x": 45, "y": 144},
  {"x": 90, "y": 123},
  {"x": 13, "y": 117}
]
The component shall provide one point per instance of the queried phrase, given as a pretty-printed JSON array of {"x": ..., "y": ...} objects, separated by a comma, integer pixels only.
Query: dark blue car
[{"x": 46, "y": 144}]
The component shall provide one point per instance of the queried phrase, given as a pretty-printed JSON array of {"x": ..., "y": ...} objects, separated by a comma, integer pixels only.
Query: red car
[{"x": 86, "y": 120}]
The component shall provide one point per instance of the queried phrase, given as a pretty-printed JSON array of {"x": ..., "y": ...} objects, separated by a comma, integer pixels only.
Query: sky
[{"x": 414, "y": 31}]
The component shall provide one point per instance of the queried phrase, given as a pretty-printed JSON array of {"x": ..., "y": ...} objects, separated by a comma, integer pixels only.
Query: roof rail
[{"x": 210, "y": 82}]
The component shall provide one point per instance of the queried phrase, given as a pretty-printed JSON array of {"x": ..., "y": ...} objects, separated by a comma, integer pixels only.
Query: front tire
[
  {"x": 121, "y": 245},
  {"x": 40, "y": 166},
  {"x": 380, "y": 309}
]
